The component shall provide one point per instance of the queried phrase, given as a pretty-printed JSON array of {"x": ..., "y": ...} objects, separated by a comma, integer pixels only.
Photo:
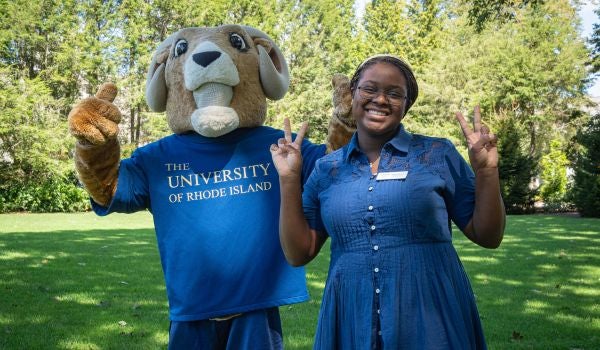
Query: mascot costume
[{"x": 211, "y": 186}]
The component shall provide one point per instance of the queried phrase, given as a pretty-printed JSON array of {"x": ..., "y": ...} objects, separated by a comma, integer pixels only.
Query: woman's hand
[
  {"x": 486, "y": 227},
  {"x": 299, "y": 242},
  {"x": 286, "y": 153},
  {"x": 483, "y": 152}
]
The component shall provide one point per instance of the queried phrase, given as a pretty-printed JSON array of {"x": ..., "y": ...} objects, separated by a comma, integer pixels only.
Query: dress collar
[{"x": 400, "y": 141}]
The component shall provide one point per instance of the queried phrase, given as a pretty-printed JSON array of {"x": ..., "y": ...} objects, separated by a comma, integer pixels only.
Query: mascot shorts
[{"x": 260, "y": 329}]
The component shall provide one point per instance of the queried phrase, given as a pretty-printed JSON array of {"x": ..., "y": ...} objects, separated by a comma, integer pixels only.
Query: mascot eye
[
  {"x": 237, "y": 41},
  {"x": 180, "y": 48}
]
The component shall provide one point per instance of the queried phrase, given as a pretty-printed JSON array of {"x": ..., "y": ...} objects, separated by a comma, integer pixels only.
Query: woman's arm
[
  {"x": 486, "y": 227},
  {"x": 300, "y": 243}
]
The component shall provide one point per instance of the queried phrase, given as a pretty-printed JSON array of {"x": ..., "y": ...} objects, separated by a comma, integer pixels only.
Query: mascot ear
[
  {"x": 274, "y": 74},
  {"x": 156, "y": 85}
]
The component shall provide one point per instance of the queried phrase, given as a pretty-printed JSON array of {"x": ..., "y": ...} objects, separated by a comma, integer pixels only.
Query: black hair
[{"x": 411, "y": 82}]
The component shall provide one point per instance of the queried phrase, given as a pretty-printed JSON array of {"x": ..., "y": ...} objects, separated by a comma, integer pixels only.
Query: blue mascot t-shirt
[{"x": 215, "y": 203}]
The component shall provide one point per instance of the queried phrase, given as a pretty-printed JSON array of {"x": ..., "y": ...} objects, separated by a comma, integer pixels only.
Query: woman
[{"x": 386, "y": 200}]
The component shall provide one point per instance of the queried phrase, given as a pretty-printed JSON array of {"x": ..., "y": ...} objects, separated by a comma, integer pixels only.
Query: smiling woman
[
  {"x": 378, "y": 114},
  {"x": 385, "y": 200}
]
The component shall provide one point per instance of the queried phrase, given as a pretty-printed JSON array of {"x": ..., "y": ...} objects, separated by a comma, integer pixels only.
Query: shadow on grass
[
  {"x": 541, "y": 288},
  {"x": 299, "y": 321},
  {"x": 103, "y": 288},
  {"x": 69, "y": 289},
  {"x": 95, "y": 289}
]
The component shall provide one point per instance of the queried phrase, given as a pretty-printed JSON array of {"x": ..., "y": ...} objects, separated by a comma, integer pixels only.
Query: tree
[
  {"x": 49, "y": 51},
  {"x": 586, "y": 187},
  {"x": 315, "y": 37},
  {"x": 36, "y": 172},
  {"x": 135, "y": 44},
  {"x": 508, "y": 69},
  {"x": 33, "y": 42},
  {"x": 526, "y": 63},
  {"x": 482, "y": 12},
  {"x": 408, "y": 29},
  {"x": 516, "y": 169},
  {"x": 531, "y": 76},
  {"x": 595, "y": 43}
]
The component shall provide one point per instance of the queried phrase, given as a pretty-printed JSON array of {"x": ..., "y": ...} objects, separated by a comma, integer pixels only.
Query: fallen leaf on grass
[
  {"x": 103, "y": 303},
  {"x": 139, "y": 334},
  {"x": 516, "y": 336}
]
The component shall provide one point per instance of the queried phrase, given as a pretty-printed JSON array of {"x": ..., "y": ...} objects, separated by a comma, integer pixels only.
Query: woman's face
[{"x": 379, "y": 100}]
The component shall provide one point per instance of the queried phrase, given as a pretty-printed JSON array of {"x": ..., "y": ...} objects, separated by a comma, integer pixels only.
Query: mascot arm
[
  {"x": 342, "y": 125},
  {"x": 94, "y": 123}
]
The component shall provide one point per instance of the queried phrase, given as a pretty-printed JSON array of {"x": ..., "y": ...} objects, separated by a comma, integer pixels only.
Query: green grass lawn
[{"x": 77, "y": 281}]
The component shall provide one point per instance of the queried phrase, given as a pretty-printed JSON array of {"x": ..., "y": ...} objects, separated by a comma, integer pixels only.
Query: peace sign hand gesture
[
  {"x": 286, "y": 153},
  {"x": 483, "y": 152}
]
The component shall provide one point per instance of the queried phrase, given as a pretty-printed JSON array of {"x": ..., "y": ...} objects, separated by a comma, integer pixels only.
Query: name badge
[{"x": 392, "y": 175}]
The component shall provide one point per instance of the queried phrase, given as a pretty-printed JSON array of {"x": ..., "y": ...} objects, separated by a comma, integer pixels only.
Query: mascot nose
[{"x": 206, "y": 58}]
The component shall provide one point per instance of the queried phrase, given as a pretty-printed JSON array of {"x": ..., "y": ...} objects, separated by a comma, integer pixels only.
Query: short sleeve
[
  {"x": 310, "y": 154},
  {"x": 132, "y": 192},
  {"x": 460, "y": 187},
  {"x": 310, "y": 201}
]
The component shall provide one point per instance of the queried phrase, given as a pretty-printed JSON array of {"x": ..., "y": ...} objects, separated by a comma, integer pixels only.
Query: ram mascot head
[{"x": 215, "y": 80}]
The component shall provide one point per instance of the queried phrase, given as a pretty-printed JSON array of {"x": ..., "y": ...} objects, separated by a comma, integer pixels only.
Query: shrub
[
  {"x": 53, "y": 195},
  {"x": 554, "y": 178}
]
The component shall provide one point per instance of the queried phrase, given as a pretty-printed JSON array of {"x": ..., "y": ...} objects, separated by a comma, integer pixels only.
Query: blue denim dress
[{"x": 395, "y": 280}]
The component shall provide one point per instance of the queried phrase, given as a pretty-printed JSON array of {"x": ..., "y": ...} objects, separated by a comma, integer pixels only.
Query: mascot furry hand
[
  {"x": 342, "y": 125},
  {"x": 211, "y": 185}
]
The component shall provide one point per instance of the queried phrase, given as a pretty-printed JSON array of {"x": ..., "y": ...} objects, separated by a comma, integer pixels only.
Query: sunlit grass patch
[
  {"x": 542, "y": 292},
  {"x": 12, "y": 255}
]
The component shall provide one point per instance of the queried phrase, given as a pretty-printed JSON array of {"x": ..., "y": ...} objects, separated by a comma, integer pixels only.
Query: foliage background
[{"x": 523, "y": 61}]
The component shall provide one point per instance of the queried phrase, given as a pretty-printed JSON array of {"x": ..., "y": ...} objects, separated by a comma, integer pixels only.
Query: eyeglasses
[{"x": 370, "y": 92}]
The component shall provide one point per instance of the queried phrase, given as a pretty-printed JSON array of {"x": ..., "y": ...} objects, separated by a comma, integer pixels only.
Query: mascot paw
[
  {"x": 342, "y": 98},
  {"x": 342, "y": 125},
  {"x": 95, "y": 119}
]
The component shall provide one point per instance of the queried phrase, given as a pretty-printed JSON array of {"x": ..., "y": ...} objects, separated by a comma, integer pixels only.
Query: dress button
[
  {"x": 378, "y": 311},
  {"x": 376, "y": 269},
  {"x": 379, "y": 333},
  {"x": 375, "y": 247},
  {"x": 373, "y": 228},
  {"x": 370, "y": 208},
  {"x": 377, "y": 290},
  {"x": 370, "y": 188}
]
